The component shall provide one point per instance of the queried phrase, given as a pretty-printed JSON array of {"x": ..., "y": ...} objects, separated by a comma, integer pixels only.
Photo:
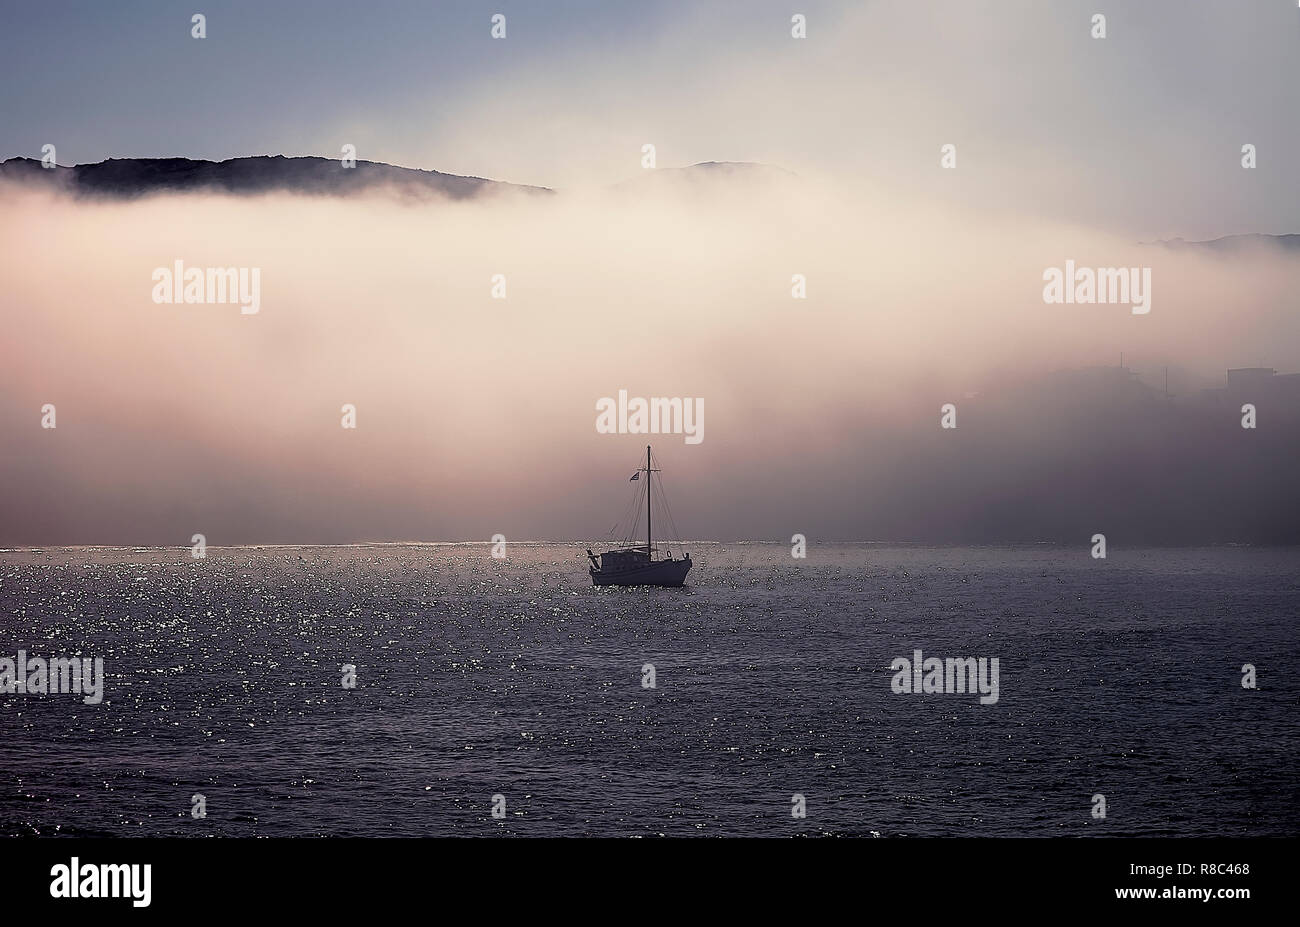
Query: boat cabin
[{"x": 632, "y": 558}]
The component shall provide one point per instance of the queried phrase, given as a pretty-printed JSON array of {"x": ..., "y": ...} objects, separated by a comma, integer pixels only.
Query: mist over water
[
  {"x": 320, "y": 557},
  {"x": 476, "y": 415}
]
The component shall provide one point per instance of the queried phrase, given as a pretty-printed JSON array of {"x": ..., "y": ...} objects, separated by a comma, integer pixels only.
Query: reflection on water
[{"x": 477, "y": 677}]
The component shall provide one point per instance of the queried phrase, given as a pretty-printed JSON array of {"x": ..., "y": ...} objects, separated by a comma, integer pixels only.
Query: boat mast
[{"x": 648, "y": 542}]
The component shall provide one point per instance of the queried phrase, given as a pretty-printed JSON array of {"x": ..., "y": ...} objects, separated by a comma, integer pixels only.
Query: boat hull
[{"x": 656, "y": 573}]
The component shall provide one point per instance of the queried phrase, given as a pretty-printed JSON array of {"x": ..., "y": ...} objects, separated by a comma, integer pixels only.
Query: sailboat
[{"x": 637, "y": 566}]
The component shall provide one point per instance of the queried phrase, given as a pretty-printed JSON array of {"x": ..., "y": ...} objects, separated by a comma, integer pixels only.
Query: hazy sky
[
  {"x": 1138, "y": 133},
  {"x": 476, "y": 415}
]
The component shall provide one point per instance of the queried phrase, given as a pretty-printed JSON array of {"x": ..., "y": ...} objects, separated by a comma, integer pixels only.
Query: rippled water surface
[{"x": 479, "y": 677}]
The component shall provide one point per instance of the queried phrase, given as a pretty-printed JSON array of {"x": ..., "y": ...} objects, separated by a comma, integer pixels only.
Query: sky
[
  {"x": 476, "y": 415},
  {"x": 1139, "y": 132}
]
